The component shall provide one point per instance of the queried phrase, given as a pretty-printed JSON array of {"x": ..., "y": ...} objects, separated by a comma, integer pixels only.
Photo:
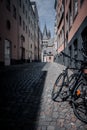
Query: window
[
  {"x": 7, "y": 52},
  {"x": 8, "y": 24},
  {"x": 14, "y": 11},
  {"x": 84, "y": 38},
  {"x": 59, "y": 40},
  {"x": 1, "y": 0},
  {"x": 29, "y": 19},
  {"x": 20, "y": 20},
  {"x": 23, "y": 25},
  {"x": 44, "y": 51},
  {"x": 66, "y": 1},
  {"x": 0, "y": 38},
  {"x": 8, "y": 4},
  {"x": 50, "y": 52},
  {"x": 62, "y": 34},
  {"x": 70, "y": 15},
  {"x": 23, "y": 9},
  {"x": 84, "y": 34},
  {"x": 26, "y": 29},
  {"x": 60, "y": 37},
  {"x": 67, "y": 23},
  {"x": 81, "y": 2},
  {"x": 75, "y": 7},
  {"x": 75, "y": 51},
  {"x": 20, "y": 3},
  {"x": 29, "y": 32},
  {"x": 26, "y": 1},
  {"x": 49, "y": 57},
  {"x": 26, "y": 14},
  {"x": 35, "y": 47},
  {"x": 70, "y": 53},
  {"x": 31, "y": 35},
  {"x": 75, "y": 48}
]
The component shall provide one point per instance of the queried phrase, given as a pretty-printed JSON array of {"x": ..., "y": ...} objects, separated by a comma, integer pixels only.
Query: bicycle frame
[
  {"x": 79, "y": 74},
  {"x": 78, "y": 78},
  {"x": 65, "y": 72}
]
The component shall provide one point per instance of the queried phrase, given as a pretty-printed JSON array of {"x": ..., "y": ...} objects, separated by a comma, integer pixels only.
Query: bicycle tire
[
  {"x": 58, "y": 85},
  {"x": 72, "y": 79},
  {"x": 67, "y": 87},
  {"x": 78, "y": 104}
]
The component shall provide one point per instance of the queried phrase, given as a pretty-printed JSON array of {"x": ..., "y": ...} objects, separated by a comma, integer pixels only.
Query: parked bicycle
[
  {"x": 63, "y": 81},
  {"x": 73, "y": 88}
]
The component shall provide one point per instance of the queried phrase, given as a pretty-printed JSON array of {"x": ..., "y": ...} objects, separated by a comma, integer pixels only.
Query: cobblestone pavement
[
  {"x": 20, "y": 93},
  {"x": 25, "y": 100},
  {"x": 54, "y": 115}
]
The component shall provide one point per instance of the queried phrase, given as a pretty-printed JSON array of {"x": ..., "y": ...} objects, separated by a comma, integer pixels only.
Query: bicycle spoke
[{"x": 80, "y": 107}]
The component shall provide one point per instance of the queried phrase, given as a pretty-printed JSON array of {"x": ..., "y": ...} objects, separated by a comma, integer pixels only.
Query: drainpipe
[{"x": 64, "y": 31}]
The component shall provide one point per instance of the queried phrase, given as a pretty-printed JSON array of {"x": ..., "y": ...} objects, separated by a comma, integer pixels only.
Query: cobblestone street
[
  {"x": 20, "y": 93},
  {"x": 54, "y": 115},
  {"x": 25, "y": 99}
]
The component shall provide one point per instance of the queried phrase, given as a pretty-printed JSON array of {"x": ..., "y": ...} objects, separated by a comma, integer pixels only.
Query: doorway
[{"x": 7, "y": 53}]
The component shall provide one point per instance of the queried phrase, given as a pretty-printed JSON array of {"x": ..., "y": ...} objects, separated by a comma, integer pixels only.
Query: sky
[{"x": 46, "y": 13}]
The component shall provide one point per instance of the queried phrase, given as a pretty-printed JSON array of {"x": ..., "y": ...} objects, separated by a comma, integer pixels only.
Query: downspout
[{"x": 64, "y": 31}]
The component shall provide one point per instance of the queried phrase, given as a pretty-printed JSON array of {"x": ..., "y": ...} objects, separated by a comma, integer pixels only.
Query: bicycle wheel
[
  {"x": 58, "y": 85},
  {"x": 79, "y": 102},
  {"x": 67, "y": 86},
  {"x": 72, "y": 79}
]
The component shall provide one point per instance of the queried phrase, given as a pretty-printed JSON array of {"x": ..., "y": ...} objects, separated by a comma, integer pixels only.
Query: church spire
[{"x": 45, "y": 32}]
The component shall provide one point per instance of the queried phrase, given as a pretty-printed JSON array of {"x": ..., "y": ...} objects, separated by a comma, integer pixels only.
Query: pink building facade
[
  {"x": 71, "y": 23},
  {"x": 18, "y": 32}
]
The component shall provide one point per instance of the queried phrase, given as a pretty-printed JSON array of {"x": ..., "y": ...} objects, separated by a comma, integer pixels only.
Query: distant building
[
  {"x": 47, "y": 46},
  {"x": 19, "y": 29},
  {"x": 50, "y": 51},
  {"x": 71, "y": 28},
  {"x": 45, "y": 39}
]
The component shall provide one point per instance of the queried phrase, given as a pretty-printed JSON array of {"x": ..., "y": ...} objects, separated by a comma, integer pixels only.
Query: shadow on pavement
[{"x": 20, "y": 100}]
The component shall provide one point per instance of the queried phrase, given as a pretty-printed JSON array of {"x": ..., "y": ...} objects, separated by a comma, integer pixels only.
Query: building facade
[
  {"x": 45, "y": 38},
  {"x": 47, "y": 46},
  {"x": 50, "y": 51},
  {"x": 18, "y": 31},
  {"x": 71, "y": 29}
]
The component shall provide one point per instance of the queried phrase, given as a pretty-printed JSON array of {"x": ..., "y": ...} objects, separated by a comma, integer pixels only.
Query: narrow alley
[{"x": 25, "y": 99}]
